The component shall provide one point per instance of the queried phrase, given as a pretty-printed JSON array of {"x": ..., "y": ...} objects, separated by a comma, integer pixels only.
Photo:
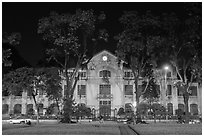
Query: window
[
  {"x": 169, "y": 90},
  {"x": 128, "y": 74},
  {"x": 82, "y": 105},
  {"x": 128, "y": 89},
  {"x": 179, "y": 92},
  {"x": 29, "y": 109},
  {"x": 128, "y": 107},
  {"x": 100, "y": 102},
  {"x": 105, "y": 73},
  {"x": 105, "y": 102},
  {"x": 5, "y": 108},
  {"x": 170, "y": 108},
  {"x": 81, "y": 89},
  {"x": 193, "y": 90},
  {"x": 40, "y": 109},
  {"x": 109, "y": 102},
  {"x": 168, "y": 74},
  {"x": 194, "y": 109},
  {"x": 104, "y": 89},
  {"x": 17, "y": 109},
  {"x": 181, "y": 107},
  {"x": 82, "y": 74}
]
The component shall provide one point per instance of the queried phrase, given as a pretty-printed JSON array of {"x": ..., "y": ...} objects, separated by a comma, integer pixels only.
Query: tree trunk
[
  {"x": 137, "y": 94},
  {"x": 186, "y": 98},
  {"x": 57, "y": 106},
  {"x": 36, "y": 107}
]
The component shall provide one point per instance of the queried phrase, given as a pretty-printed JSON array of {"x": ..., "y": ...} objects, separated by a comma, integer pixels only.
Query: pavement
[{"x": 81, "y": 128}]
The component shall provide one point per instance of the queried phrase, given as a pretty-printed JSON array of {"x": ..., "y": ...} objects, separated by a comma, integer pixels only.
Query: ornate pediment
[{"x": 103, "y": 58}]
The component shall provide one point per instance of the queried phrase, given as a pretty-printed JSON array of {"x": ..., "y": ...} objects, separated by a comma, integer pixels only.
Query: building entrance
[
  {"x": 105, "y": 109},
  {"x": 105, "y": 101}
]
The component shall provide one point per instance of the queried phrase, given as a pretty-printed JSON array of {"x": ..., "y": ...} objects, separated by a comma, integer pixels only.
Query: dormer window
[{"x": 105, "y": 73}]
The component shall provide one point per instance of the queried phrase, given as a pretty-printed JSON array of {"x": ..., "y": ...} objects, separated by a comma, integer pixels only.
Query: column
[{"x": 24, "y": 102}]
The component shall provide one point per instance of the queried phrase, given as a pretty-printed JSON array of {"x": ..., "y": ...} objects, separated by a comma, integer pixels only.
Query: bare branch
[
  {"x": 177, "y": 70},
  {"x": 146, "y": 87},
  {"x": 58, "y": 62}
]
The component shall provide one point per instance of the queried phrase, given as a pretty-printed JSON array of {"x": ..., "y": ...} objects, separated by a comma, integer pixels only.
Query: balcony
[{"x": 104, "y": 96}]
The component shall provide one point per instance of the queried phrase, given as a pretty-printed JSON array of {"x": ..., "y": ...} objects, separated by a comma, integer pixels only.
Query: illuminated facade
[{"x": 107, "y": 86}]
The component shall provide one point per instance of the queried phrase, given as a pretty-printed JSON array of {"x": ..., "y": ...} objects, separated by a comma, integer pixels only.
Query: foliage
[
  {"x": 51, "y": 109},
  {"x": 150, "y": 88},
  {"x": 68, "y": 35},
  {"x": 182, "y": 44},
  {"x": 12, "y": 39},
  {"x": 53, "y": 85},
  {"x": 82, "y": 110},
  {"x": 136, "y": 43},
  {"x": 32, "y": 80},
  {"x": 158, "y": 109},
  {"x": 143, "y": 108},
  {"x": 121, "y": 111}
]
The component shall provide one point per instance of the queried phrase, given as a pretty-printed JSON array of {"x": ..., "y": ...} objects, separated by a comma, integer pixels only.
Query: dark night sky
[{"x": 23, "y": 17}]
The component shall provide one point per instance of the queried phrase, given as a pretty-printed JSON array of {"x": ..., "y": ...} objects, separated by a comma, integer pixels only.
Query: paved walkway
[{"x": 82, "y": 128}]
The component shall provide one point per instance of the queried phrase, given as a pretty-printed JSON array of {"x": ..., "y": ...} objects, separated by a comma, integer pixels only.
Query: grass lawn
[
  {"x": 168, "y": 129},
  {"x": 61, "y": 129}
]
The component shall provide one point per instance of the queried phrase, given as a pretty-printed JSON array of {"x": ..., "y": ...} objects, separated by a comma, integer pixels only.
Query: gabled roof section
[{"x": 104, "y": 52}]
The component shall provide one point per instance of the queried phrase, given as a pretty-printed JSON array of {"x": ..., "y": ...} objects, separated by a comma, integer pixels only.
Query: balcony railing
[{"x": 105, "y": 96}]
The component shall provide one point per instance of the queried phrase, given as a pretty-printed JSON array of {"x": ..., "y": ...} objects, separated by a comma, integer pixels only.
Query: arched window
[
  {"x": 194, "y": 109},
  {"x": 128, "y": 108},
  {"x": 5, "y": 108},
  {"x": 105, "y": 73},
  {"x": 181, "y": 107},
  {"x": 170, "y": 108},
  {"x": 29, "y": 109},
  {"x": 17, "y": 109}
]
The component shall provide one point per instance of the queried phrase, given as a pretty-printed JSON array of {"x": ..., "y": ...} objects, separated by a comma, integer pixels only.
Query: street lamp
[{"x": 166, "y": 68}]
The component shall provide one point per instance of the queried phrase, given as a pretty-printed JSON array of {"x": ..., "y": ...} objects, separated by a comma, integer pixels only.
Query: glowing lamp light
[
  {"x": 166, "y": 67},
  {"x": 134, "y": 104}
]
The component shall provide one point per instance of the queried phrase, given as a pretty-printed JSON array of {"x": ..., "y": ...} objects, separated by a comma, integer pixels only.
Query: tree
[
  {"x": 182, "y": 46},
  {"x": 82, "y": 110},
  {"x": 68, "y": 35},
  {"x": 136, "y": 43},
  {"x": 121, "y": 111},
  {"x": 30, "y": 80},
  {"x": 143, "y": 108},
  {"x": 53, "y": 86},
  {"x": 12, "y": 39},
  {"x": 157, "y": 109}
]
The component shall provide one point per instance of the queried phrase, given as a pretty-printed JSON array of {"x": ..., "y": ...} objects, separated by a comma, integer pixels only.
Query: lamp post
[{"x": 166, "y": 68}]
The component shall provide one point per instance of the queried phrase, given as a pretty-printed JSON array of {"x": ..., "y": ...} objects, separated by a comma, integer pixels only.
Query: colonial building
[{"x": 105, "y": 86}]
